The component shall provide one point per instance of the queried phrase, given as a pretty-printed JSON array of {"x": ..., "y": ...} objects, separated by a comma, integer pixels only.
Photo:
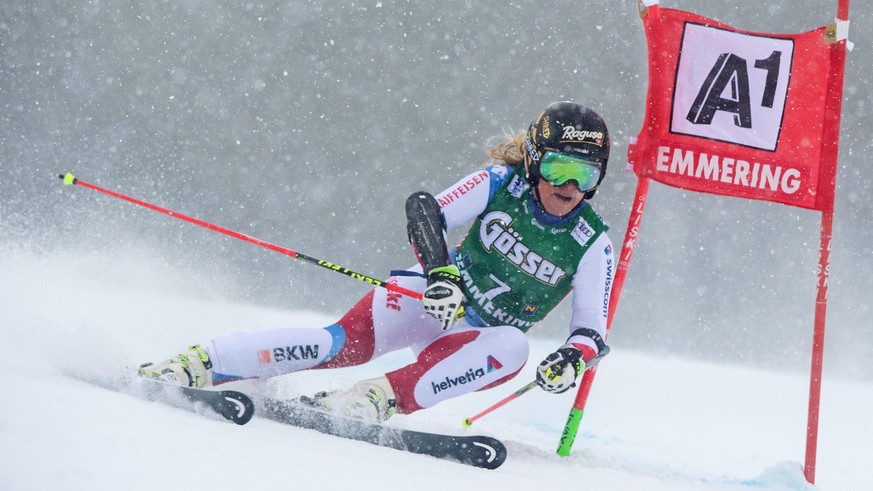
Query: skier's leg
[
  {"x": 381, "y": 322},
  {"x": 460, "y": 361},
  {"x": 391, "y": 321},
  {"x": 279, "y": 351}
]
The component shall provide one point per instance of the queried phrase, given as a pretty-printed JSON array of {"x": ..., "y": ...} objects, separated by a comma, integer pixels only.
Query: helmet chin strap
[{"x": 535, "y": 194}]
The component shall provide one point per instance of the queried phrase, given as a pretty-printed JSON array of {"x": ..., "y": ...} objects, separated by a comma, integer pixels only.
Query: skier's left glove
[
  {"x": 443, "y": 298},
  {"x": 558, "y": 372}
]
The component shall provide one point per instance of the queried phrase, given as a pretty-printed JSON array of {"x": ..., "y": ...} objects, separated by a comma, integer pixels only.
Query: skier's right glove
[
  {"x": 558, "y": 372},
  {"x": 443, "y": 298}
]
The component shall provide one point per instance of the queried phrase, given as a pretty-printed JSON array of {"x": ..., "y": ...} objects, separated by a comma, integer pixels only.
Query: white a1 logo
[{"x": 731, "y": 86}]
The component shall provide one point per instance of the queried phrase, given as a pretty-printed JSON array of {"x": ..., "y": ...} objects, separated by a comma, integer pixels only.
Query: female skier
[{"x": 533, "y": 240}]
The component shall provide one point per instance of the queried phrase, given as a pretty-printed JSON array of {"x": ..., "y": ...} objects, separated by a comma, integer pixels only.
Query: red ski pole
[
  {"x": 468, "y": 422},
  {"x": 70, "y": 179}
]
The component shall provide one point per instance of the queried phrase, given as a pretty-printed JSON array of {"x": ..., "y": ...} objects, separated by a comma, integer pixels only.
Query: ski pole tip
[
  {"x": 68, "y": 178},
  {"x": 467, "y": 423}
]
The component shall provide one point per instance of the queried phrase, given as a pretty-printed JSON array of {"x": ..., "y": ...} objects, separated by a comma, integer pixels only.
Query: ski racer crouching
[{"x": 534, "y": 239}]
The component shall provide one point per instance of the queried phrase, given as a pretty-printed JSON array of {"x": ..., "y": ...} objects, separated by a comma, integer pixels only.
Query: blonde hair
[{"x": 507, "y": 149}]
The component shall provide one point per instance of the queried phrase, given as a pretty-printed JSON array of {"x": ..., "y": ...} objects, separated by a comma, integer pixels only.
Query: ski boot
[
  {"x": 371, "y": 401},
  {"x": 189, "y": 369}
]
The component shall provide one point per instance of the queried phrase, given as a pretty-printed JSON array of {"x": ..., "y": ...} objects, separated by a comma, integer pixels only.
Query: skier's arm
[
  {"x": 591, "y": 288},
  {"x": 428, "y": 219},
  {"x": 443, "y": 299},
  {"x": 467, "y": 198},
  {"x": 592, "y": 285}
]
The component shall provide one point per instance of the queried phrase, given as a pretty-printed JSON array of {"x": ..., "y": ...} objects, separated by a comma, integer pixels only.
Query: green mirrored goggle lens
[{"x": 558, "y": 168}]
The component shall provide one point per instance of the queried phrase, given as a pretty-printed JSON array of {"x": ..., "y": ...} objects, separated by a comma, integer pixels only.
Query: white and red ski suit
[{"x": 477, "y": 353}]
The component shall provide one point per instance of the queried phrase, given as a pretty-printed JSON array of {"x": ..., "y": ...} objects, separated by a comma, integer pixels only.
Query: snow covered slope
[{"x": 71, "y": 324}]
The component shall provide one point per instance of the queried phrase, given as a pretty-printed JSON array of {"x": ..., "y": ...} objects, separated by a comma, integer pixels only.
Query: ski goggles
[{"x": 558, "y": 168}]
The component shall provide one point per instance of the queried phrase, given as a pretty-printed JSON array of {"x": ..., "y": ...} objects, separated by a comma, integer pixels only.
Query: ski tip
[
  {"x": 467, "y": 423},
  {"x": 68, "y": 178},
  {"x": 494, "y": 453},
  {"x": 235, "y": 406}
]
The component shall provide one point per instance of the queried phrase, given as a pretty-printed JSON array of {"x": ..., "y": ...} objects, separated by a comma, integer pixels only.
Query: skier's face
[{"x": 559, "y": 200}]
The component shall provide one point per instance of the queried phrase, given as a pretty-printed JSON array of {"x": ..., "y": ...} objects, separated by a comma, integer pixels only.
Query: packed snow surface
[{"x": 71, "y": 326}]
